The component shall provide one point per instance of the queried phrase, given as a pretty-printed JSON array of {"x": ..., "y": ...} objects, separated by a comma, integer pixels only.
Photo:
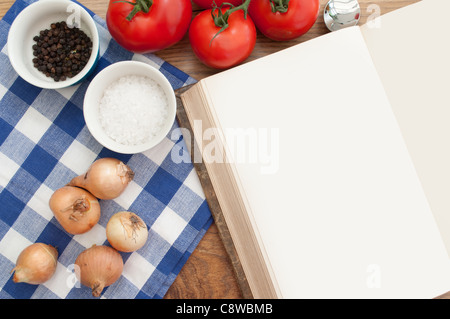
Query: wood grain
[
  {"x": 208, "y": 272},
  {"x": 213, "y": 202}
]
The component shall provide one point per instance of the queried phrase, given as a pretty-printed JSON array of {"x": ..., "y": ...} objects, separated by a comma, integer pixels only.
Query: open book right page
[{"x": 411, "y": 52}]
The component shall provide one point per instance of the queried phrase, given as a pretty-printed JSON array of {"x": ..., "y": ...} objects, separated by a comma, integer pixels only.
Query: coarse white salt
[{"x": 133, "y": 109}]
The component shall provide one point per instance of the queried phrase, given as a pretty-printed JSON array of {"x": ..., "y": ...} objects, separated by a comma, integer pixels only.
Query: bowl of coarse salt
[{"x": 129, "y": 107}]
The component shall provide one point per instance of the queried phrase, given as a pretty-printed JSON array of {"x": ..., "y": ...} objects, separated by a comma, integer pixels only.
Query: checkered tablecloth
[{"x": 44, "y": 143}]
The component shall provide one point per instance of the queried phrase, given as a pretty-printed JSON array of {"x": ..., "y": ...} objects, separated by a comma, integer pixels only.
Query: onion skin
[
  {"x": 98, "y": 267},
  {"x": 36, "y": 264},
  {"x": 106, "y": 178},
  {"x": 126, "y": 231},
  {"x": 75, "y": 209}
]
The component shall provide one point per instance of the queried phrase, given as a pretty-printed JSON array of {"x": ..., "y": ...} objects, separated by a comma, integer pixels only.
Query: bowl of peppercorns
[{"x": 53, "y": 44}]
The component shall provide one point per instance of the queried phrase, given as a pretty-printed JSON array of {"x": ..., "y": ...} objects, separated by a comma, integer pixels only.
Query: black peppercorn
[{"x": 61, "y": 52}]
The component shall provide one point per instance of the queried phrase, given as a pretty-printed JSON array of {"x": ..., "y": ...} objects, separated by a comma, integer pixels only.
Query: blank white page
[
  {"x": 344, "y": 216},
  {"x": 411, "y": 51}
]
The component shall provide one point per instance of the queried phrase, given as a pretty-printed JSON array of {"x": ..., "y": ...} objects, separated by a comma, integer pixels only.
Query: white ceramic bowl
[
  {"x": 36, "y": 17},
  {"x": 95, "y": 93}
]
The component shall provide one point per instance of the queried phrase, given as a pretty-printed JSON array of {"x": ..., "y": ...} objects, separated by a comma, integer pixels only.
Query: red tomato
[
  {"x": 280, "y": 26},
  {"x": 164, "y": 23},
  {"x": 208, "y": 4},
  {"x": 229, "y": 48}
]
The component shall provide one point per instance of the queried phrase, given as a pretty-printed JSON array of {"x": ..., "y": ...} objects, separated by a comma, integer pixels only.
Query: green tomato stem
[
  {"x": 221, "y": 19},
  {"x": 243, "y": 6},
  {"x": 279, "y": 5},
  {"x": 139, "y": 5}
]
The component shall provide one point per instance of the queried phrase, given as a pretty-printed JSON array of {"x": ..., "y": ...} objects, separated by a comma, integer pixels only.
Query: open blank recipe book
[{"x": 343, "y": 189}]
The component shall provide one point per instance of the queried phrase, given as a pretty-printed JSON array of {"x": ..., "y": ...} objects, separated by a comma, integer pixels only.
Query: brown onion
[
  {"x": 126, "y": 231},
  {"x": 36, "y": 264},
  {"x": 75, "y": 209},
  {"x": 98, "y": 267},
  {"x": 106, "y": 178}
]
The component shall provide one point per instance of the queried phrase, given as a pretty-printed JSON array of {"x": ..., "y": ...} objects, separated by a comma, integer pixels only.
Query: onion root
[{"x": 75, "y": 209}]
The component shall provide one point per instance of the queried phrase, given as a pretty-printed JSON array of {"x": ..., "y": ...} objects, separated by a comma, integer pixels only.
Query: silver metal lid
[{"x": 339, "y": 14}]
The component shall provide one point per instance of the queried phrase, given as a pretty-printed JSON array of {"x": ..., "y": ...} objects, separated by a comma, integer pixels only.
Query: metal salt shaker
[{"x": 339, "y": 14}]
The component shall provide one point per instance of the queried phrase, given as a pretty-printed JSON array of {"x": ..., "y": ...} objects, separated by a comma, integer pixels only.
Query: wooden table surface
[{"x": 208, "y": 272}]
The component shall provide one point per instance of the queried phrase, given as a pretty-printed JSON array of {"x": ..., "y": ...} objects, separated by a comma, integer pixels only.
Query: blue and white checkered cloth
[{"x": 44, "y": 143}]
